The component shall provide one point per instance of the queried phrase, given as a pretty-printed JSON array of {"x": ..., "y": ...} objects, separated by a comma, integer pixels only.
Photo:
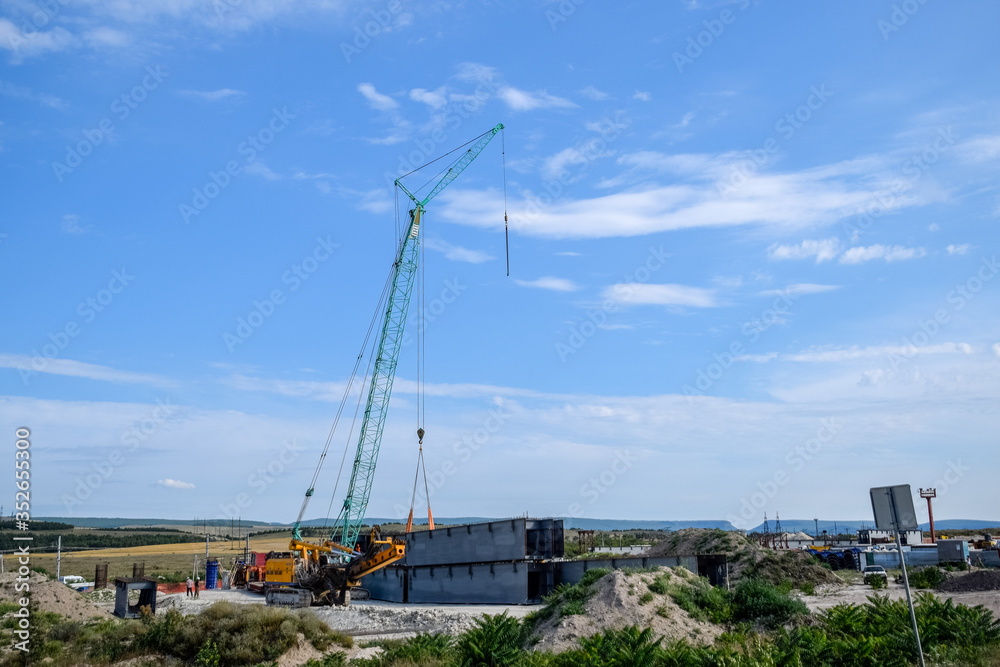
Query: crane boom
[{"x": 390, "y": 342}]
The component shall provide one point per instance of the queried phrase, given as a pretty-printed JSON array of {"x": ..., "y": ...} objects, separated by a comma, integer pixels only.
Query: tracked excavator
[{"x": 326, "y": 572}]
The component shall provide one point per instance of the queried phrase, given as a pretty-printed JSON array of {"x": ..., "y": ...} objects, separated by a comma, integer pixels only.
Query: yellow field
[{"x": 160, "y": 559}]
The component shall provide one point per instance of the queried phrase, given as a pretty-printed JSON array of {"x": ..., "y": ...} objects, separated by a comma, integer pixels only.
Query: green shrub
[
  {"x": 808, "y": 588},
  {"x": 757, "y": 601},
  {"x": 702, "y": 601},
  {"x": 927, "y": 577},
  {"x": 878, "y": 583},
  {"x": 646, "y": 598},
  {"x": 495, "y": 641}
]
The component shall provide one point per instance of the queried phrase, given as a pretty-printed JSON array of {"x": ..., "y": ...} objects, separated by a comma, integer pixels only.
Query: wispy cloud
[
  {"x": 174, "y": 484},
  {"x": 642, "y": 96},
  {"x": 435, "y": 99},
  {"x": 522, "y": 100},
  {"x": 661, "y": 295},
  {"x": 458, "y": 253},
  {"x": 833, "y": 355},
  {"x": 21, "y": 93},
  {"x": 798, "y": 289},
  {"x": 376, "y": 99},
  {"x": 258, "y": 168},
  {"x": 590, "y": 92},
  {"x": 878, "y": 251},
  {"x": 105, "y": 37},
  {"x": 212, "y": 95},
  {"x": 959, "y": 249},
  {"x": 71, "y": 225},
  {"x": 550, "y": 283},
  {"x": 37, "y": 43},
  {"x": 79, "y": 369},
  {"x": 823, "y": 250}
]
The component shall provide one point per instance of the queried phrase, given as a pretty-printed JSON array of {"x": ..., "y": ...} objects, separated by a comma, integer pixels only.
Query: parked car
[{"x": 872, "y": 571}]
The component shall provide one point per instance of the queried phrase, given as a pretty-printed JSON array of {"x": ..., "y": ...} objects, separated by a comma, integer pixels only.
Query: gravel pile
[{"x": 982, "y": 580}]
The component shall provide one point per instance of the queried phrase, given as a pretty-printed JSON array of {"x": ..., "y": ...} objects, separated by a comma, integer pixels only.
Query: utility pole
[
  {"x": 928, "y": 494},
  {"x": 206, "y": 546},
  {"x": 817, "y": 528},
  {"x": 58, "y": 556}
]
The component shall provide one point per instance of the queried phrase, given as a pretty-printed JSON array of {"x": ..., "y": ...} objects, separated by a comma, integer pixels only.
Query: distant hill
[
  {"x": 118, "y": 522},
  {"x": 848, "y": 526}
]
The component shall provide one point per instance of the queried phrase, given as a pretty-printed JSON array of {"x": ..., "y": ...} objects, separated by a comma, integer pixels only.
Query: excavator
[{"x": 325, "y": 573}]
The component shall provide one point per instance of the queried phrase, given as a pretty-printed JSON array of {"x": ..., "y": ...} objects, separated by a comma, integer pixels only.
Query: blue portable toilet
[{"x": 212, "y": 573}]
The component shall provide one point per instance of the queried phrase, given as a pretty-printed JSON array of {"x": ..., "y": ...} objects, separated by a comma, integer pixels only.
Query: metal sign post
[{"x": 893, "y": 508}]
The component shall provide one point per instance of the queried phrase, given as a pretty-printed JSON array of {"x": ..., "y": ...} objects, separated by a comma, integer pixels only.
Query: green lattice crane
[{"x": 389, "y": 345}]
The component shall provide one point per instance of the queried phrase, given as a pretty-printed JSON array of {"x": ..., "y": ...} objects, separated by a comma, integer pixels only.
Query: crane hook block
[{"x": 420, "y": 436}]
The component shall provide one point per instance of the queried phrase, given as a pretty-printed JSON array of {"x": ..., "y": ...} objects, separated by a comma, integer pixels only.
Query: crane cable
[{"x": 503, "y": 160}]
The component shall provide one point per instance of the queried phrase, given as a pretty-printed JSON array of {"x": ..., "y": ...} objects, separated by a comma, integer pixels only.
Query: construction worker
[
  {"x": 197, "y": 583},
  {"x": 190, "y": 587}
]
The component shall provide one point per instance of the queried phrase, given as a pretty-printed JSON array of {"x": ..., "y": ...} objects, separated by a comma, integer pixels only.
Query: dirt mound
[
  {"x": 621, "y": 599},
  {"x": 745, "y": 557},
  {"x": 50, "y": 595},
  {"x": 797, "y": 567},
  {"x": 983, "y": 580}
]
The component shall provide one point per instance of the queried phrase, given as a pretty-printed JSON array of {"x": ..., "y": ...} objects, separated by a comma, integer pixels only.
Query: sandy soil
[
  {"x": 616, "y": 604},
  {"x": 858, "y": 594},
  {"x": 50, "y": 595}
]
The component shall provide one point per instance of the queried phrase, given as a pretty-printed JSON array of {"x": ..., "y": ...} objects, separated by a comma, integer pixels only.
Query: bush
[
  {"x": 757, "y": 601},
  {"x": 703, "y": 601},
  {"x": 494, "y": 642},
  {"x": 927, "y": 577}
]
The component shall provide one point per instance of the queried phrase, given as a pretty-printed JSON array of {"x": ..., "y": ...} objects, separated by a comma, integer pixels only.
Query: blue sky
[{"x": 753, "y": 248}]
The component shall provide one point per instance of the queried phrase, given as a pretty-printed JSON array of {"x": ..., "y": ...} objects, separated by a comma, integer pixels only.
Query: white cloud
[
  {"x": 550, "y": 283},
  {"x": 786, "y": 201},
  {"x": 960, "y": 249},
  {"x": 433, "y": 98},
  {"x": 661, "y": 295},
  {"x": 458, "y": 253},
  {"x": 569, "y": 253},
  {"x": 878, "y": 251},
  {"x": 822, "y": 250},
  {"x": 593, "y": 93},
  {"x": 258, "y": 168},
  {"x": 836, "y": 355},
  {"x": 555, "y": 165},
  {"x": 212, "y": 95},
  {"x": 37, "y": 43},
  {"x": 933, "y": 227},
  {"x": 521, "y": 100},
  {"x": 376, "y": 99},
  {"x": 798, "y": 289},
  {"x": 71, "y": 225},
  {"x": 996, "y": 349},
  {"x": 30, "y": 365},
  {"x": 642, "y": 96},
  {"x": 22, "y": 93},
  {"x": 174, "y": 484},
  {"x": 106, "y": 37}
]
